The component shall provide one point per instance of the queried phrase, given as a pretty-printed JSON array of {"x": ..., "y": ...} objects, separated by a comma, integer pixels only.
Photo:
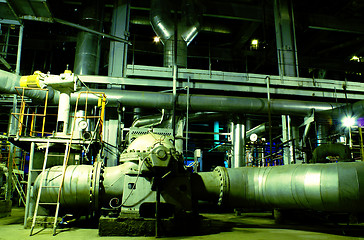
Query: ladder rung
[
  {"x": 44, "y": 222},
  {"x": 55, "y": 155}
]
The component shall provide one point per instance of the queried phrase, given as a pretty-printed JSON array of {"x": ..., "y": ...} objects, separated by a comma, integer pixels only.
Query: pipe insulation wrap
[
  {"x": 85, "y": 187},
  {"x": 336, "y": 187},
  {"x": 164, "y": 100},
  {"x": 201, "y": 103},
  {"x": 75, "y": 193},
  {"x": 8, "y": 82}
]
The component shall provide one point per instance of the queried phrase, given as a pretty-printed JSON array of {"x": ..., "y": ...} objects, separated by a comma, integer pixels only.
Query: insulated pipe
[
  {"x": 88, "y": 44},
  {"x": 335, "y": 149},
  {"x": 63, "y": 113},
  {"x": 333, "y": 187},
  {"x": 8, "y": 82},
  {"x": 75, "y": 190},
  {"x": 352, "y": 110},
  {"x": 86, "y": 188},
  {"x": 158, "y": 100},
  {"x": 238, "y": 132},
  {"x": 202, "y": 103},
  {"x": 336, "y": 187},
  {"x": 164, "y": 26},
  {"x": 258, "y": 130}
]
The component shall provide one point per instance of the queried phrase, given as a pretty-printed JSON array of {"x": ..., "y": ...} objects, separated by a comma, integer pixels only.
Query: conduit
[
  {"x": 157, "y": 100},
  {"x": 8, "y": 82},
  {"x": 333, "y": 187},
  {"x": 164, "y": 27},
  {"x": 202, "y": 103},
  {"x": 335, "y": 149}
]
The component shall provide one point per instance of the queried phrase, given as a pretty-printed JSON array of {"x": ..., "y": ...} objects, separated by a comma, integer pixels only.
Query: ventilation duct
[
  {"x": 332, "y": 187},
  {"x": 164, "y": 26},
  {"x": 87, "y": 56}
]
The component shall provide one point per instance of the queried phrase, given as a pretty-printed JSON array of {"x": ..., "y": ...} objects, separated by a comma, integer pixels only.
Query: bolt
[{"x": 161, "y": 153}]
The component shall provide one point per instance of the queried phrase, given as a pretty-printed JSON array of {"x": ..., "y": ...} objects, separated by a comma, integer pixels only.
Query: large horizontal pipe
[
  {"x": 8, "y": 82},
  {"x": 86, "y": 188},
  {"x": 332, "y": 187},
  {"x": 201, "y": 103},
  {"x": 198, "y": 103},
  {"x": 336, "y": 187}
]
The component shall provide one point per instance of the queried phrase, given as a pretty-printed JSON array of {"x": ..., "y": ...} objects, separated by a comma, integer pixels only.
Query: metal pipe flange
[{"x": 224, "y": 184}]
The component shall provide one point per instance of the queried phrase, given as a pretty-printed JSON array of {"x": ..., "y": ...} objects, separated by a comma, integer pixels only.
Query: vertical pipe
[
  {"x": 361, "y": 143},
  {"x": 20, "y": 44},
  {"x": 269, "y": 120},
  {"x": 119, "y": 28},
  {"x": 63, "y": 112},
  {"x": 174, "y": 98},
  {"x": 286, "y": 43},
  {"x": 88, "y": 45},
  {"x": 30, "y": 177},
  {"x": 238, "y": 146},
  {"x": 291, "y": 146},
  {"x": 187, "y": 116},
  {"x": 216, "y": 130}
]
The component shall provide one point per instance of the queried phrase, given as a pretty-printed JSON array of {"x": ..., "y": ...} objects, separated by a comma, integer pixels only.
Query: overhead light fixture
[
  {"x": 156, "y": 39},
  {"x": 254, "y": 44},
  {"x": 348, "y": 121},
  {"x": 355, "y": 58}
]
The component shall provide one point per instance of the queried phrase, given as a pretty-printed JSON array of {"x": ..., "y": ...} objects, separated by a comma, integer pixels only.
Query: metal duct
[
  {"x": 85, "y": 187},
  {"x": 202, "y": 103},
  {"x": 355, "y": 109},
  {"x": 336, "y": 187},
  {"x": 157, "y": 100},
  {"x": 148, "y": 121},
  {"x": 335, "y": 149},
  {"x": 258, "y": 130},
  {"x": 74, "y": 196},
  {"x": 8, "y": 82},
  {"x": 88, "y": 44},
  {"x": 164, "y": 27}
]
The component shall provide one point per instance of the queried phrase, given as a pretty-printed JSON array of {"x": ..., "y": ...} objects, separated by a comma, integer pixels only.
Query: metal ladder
[
  {"x": 19, "y": 188},
  {"x": 57, "y": 204}
]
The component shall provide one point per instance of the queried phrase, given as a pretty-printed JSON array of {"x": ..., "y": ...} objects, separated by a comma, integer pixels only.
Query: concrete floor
[{"x": 226, "y": 226}]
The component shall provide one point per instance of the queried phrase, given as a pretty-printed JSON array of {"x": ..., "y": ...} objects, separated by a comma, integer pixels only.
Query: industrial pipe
[
  {"x": 333, "y": 187},
  {"x": 85, "y": 189},
  {"x": 335, "y": 149},
  {"x": 87, "y": 55},
  {"x": 8, "y": 82},
  {"x": 198, "y": 103},
  {"x": 202, "y": 103},
  {"x": 164, "y": 26}
]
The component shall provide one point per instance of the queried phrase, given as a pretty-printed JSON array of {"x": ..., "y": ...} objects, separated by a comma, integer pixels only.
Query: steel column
[
  {"x": 119, "y": 28},
  {"x": 238, "y": 133},
  {"x": 285, "y": 37},
  {"x": 288, "y": 150},
  {"x": 20, "y": 45},
  {"x": 88, "y": 44}
]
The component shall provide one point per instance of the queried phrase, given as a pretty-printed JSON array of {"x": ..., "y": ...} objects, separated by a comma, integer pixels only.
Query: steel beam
[{"x": 119, "y": 28}]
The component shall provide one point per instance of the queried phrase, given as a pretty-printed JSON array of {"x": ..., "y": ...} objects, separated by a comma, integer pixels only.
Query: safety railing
[
  {"x": 28, "y": 116},
  {"x": 97, "y": 117}
]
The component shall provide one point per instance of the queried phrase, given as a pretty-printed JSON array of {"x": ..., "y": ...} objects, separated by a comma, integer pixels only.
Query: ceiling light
[
  {"x": 254, "y": 44},
  {"x": 348, "y": 121},
  {"x": 156, "y": 39},
  {"x": 355, "y": 58}
]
